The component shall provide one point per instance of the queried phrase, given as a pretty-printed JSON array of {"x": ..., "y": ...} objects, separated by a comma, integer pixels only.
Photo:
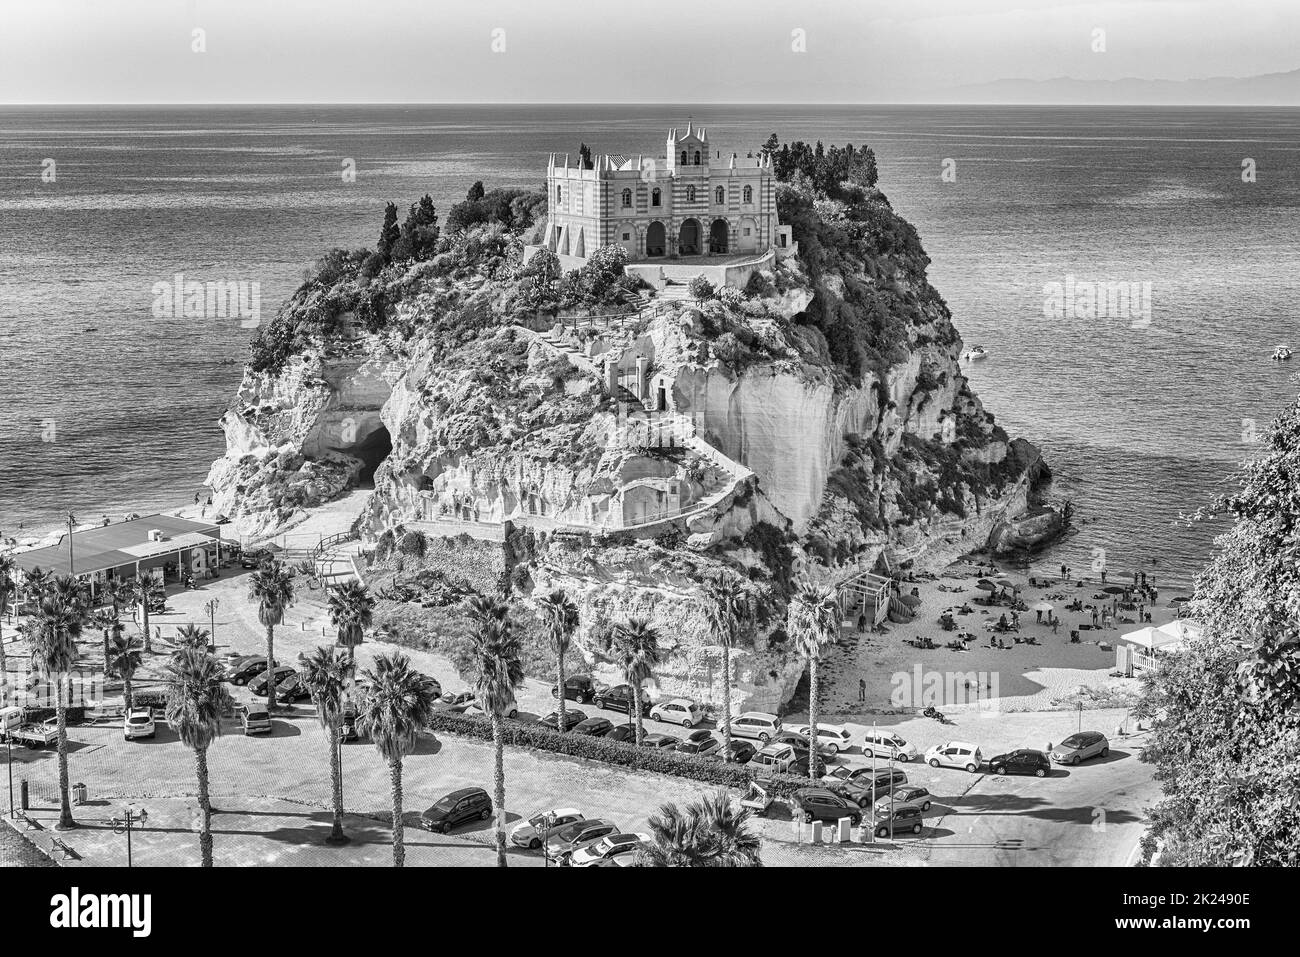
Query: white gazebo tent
[{"x": 1137, "y": 649}]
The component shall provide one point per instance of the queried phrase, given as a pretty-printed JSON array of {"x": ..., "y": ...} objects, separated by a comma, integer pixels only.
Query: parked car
[
  {"x": 622, "y": 732},
  {"x": 1081, "y": 747},
  {"x": 659, "y": 741},
  {"x": 886, "y": 744},
  {"x": 596, "y": 727},
  {"x": 955, "y": 754},
  {"x": 823, "y": 804},
  {"x": 456, "y": 702},
  {"x": 912, "y": 795},
  {"x": 247, "y": 670},
  {"x": 773, "y": 759},
  {"x": 610, "y": 845},
  {"x": 511, "y": 711},
  {"x": 348, "y": 724},
  {"x": 572, "y": 718},
  {"x": 624, "y": 858},
  {"x": 681, "y": 711},
  {"x": 253, "y": 558},
  {"x": 294, "y": 689},
  {"x": 530, "y": 831},
  {"x": 457, "y": 808},
  {"x": 580, "y": 688},
  {"x": 1021, "y": 761},
  {"x": 756, "y": 724},
  {"x": 619, "y": 698},
  {"x": 138, "y": 723},
  {"x": 255, "y": 718},
  {"x": 868, "y": 788},
  {"x": 259, "y": 684},
  {"x": 699, "y": 742},
  {"x": 881, "y": 774},
  {"x": 801, "y": 744},
  {"x": 833, "y": 738},
  {"x": 741, "y": 751},
  {"x": 903, "y": 818},
  {"x": 571, "y": 837}
]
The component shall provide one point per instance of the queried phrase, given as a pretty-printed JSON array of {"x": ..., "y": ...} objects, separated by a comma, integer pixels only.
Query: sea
[{"x": 1143, "y": 403}]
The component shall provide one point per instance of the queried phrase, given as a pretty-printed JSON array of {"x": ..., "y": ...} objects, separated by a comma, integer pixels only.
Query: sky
[{"x": 599, "y": 51}]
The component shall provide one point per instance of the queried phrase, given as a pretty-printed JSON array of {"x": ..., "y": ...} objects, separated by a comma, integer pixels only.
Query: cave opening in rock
[{"x": 372, "y": 450}]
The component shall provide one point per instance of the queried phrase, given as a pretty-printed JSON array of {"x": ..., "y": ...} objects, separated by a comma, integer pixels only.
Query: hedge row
[{"x": 705, "y": 769}]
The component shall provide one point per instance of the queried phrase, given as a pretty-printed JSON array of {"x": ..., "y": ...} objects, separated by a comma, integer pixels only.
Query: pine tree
[
  {"x": 475, "y": 192},
  {"x": 389, "y": 234}
]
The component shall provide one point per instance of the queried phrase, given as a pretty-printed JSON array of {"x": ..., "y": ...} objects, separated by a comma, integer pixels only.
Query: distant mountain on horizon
[{"x": 1267, "y": 89}]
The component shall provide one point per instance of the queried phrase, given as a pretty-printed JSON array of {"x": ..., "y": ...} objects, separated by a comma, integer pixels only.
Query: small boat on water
[
  {"x": 974, "y": 353},
  {"x": 1281, "y": 354}
]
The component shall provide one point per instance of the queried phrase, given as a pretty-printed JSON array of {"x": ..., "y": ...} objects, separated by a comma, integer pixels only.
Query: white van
[
  {"x": 955, "y": 754},
  {"x": 887, "y": 744}
]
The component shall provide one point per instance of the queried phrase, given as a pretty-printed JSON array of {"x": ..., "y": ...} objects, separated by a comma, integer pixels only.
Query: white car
[
  {"x": 756, "y": 724},
  {"x": 611, "y": 845},
  {"x": 678, "y": 711},
  {"x": 886, "y": 744},
  {"x": 138, "y": 724},
  {"x": 529, "y": 832},
  {"x": 832, "y": 737},
  {"x": 955, "y": 754}
]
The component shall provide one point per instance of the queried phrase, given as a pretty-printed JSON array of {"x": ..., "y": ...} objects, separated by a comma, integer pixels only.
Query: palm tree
[
  {"x": 105, "y": 621},
  {"x": 145, "y": 588},
  {"x": 636, "y": 650},
  {"x": 196, "y": 700},
  {"x": 327, "y": 675},
  {"x": 73, "y": 591},
  {"x": 560, "y": 616},
  {"x": 192, "y": 636},
  {"x": 124, "y": 660},
  {"x": 350, "y": 608},
  {"x": 711, "y": 832},
  {"x": 481, "y": 608},
  {"x": 271, "y": 586},
  {"x": 725, "y": 609},
  {"x": 6, "y": 589},
  {"x": 498, "y": 671},
  {"x": 53, "y": 637},
  {"x": 812, "y": 621},
  {"x": 398, "y": 704},
  {"x": 35, "y": 582}
]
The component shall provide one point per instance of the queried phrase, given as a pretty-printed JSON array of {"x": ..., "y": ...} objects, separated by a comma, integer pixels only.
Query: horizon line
[{"x": 626, "y": 103}]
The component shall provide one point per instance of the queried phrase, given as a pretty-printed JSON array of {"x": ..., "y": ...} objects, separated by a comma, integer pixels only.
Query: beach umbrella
[
  {"x": 985, "y": 584},
  {"x": 910, "y": 600},
  {"x": 1113, "y": 590},
  {"x": 1044, "y": 606}
]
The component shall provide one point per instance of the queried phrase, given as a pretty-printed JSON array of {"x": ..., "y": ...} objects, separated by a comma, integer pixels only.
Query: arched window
[
  {"x": 683, "y": 157},
  {"x": 697, "y": 157},
  {"x": 749, "y": 194},
  {"x": 719, "y": 196},
  {"x": 559, "y": 195},
  {"x": 690, "y": 194},
  {"x": 627, "y": 198},
  {"x": 655, "y": 197}
]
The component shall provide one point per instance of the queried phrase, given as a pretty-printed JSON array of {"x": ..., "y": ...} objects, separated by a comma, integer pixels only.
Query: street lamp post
[
  {"x": 9, "y": 763},
  {"x": 123, "y": 825},
  {"x": 548, "y": 820},
  {"x": 211, "y": 608}
]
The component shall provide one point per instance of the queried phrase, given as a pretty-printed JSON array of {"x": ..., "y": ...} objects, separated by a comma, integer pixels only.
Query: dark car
[
  {"x": 699, "y": 742},
  {"x": 823, "y": 804},
  {"x": 741, "y": 751},
  {"x": 348, "y": 724},
  {"x": 247, "y": 670},
  {"x": 254, "y": 558},
  {"x": 619, "y": 698},
  {"x": 596, "y": 727},
  {"x": 622, "y": 732},
  {"x": 800, "y": 744},
  {"x": 258, "y": 684},
  {"x": 572, "y": 718},
  {"x": 578, "y": 688},
  {"x": 903, "y": 817},
  {"x": 569, "y": 838},
  {"x": 294, "y": 689},
  {"x": 866, "y": 788},
  {"x": 659, "y": 741},
  {"x": 1022, "y": 761},
  {"x": 457, "y": 808}
]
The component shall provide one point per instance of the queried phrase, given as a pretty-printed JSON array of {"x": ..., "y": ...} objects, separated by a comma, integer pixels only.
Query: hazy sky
[{"x": 140, "y": 51}]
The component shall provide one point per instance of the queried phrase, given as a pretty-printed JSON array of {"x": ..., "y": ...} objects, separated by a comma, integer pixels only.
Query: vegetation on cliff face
[{"x": 1226, "y": 712}]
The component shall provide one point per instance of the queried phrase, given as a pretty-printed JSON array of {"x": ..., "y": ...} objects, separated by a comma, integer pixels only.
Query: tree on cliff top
[
  {"x": 1226, "y": 737},
  {"x": 389, "y": 233},
  {"x": 419, "y": 234},
  {"x": 475, "y": 192}
]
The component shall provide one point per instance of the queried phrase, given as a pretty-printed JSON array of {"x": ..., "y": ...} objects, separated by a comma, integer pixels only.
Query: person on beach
[
  {"x": 196, "y": 498},
  {"x": 1038, "y": 614},
  {"x": 1094, "y": 616},
  {"x": 1055, "y": 622},
  {"x": 1063, "y": 575},
  {"x": 1103, "y": 576},
  {"x": 862, "y": 689}
]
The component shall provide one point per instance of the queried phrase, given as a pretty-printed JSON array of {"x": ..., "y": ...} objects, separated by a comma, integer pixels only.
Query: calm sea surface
[{"x": 1140, "y": 424}]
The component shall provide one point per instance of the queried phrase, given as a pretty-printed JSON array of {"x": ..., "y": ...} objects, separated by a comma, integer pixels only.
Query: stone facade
[{"x": 690, "y": 202}]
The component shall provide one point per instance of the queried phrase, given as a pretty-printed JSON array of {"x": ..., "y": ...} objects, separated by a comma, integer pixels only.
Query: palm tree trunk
[
  {"x": 335, "y": 739},
  {"x": 726, "y": 702},
  {"x": 65, "y": 803},
  {"x": 563, "y": 725},
  {"x": 106, "y": 671},
  {"x": 144, "y": 617},
  {"x": 270, "y": 668},
  {"x": 4, "y": 667},
  {"x": 128, "y": 697},
  {"x": 205, "y": 806},
  {"x": 813, "y": 683},
  {"x": 499, "y": 791},
  {"x": 636, "y": 704},
  {"x": 399, "y": 836}
]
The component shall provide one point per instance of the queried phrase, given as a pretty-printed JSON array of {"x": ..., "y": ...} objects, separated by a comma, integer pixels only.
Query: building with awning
[{"x": 174, "y": 546}]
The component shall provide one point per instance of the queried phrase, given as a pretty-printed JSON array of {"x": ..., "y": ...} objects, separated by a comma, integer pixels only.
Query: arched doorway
[
  {"x": 718, "y": 236},
  {"x": 655, "y": 239},
  {"x": 688, "y": 239}
]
